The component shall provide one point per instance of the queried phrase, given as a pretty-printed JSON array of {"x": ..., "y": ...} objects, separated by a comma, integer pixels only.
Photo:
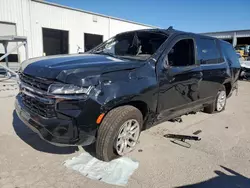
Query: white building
[
  {"x": 235, "y": 37},
  {"x": 55, "y": 29}
]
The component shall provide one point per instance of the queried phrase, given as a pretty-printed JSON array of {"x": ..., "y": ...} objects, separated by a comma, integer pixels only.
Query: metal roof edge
[
  {"x": 232, "y": 31},
  {"x": 89, "y": 12}
]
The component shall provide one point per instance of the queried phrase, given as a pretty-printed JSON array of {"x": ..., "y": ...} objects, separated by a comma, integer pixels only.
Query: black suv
[{"x": 123, "y": 86}]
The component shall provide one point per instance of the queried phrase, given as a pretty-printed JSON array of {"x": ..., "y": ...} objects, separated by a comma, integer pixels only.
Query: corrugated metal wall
[
  {"x": 116, "y": 26},
  {"x": 229, "y": 34},
  {"x": 17, "y": 12},
  {"x": 31, "y": 16},
  {"x": 75, "y": 22}
]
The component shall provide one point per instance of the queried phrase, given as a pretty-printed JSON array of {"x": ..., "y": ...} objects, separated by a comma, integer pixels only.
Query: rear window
[
  {"x": 208, "y": 51},
  {"x": 230, "y": 54}
]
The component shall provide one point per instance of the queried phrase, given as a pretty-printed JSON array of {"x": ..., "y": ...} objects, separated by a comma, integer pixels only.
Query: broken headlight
[{"x": 68, "y": 89}]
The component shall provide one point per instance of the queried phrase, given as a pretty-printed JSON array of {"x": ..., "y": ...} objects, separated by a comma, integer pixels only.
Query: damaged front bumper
[{"x": 72, "y": 125}]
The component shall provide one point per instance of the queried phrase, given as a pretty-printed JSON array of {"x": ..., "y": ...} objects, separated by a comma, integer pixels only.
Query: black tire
[
  {"x": 211, "y": 108},
  {"x": 224, "y": 90},
  {"x": 109, "y": 130}
]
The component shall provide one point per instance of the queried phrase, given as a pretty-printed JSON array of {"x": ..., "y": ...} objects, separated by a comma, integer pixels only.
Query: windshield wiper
[
  {"x": 105, "y": 53},
  {"x": 118, "y": 56}
]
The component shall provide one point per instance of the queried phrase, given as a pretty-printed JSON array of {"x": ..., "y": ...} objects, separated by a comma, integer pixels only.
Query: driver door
[{"x": 179, "y": 78}]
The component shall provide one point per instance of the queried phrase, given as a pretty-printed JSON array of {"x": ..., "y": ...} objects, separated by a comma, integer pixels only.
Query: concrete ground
[{"x": 221, "y": 159}]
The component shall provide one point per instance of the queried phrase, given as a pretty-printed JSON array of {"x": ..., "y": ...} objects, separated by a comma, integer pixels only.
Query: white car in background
[{"x": 245, "y": 67}]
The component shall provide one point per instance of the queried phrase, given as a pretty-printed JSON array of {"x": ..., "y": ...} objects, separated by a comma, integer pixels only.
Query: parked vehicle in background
[
  {"x": 243, "y": 50},
  {"x": 125, "y": 85},
  {"x": 245, "y": 67}
]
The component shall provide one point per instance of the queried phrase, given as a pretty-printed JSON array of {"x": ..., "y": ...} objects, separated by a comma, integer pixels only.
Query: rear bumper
[{"x": 60, "y": 131}]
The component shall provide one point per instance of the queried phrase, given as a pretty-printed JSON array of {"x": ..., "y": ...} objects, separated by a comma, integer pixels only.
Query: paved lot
[{"x": 220, "y": 159}]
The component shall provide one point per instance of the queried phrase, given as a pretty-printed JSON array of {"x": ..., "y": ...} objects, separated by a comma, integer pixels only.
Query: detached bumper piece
[{"x": 181, "y": 139}]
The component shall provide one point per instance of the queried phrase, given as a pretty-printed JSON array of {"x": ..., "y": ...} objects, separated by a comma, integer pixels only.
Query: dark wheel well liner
[
  {"x": 142, "y": 106},
  {"x": 228, "y": 87}
]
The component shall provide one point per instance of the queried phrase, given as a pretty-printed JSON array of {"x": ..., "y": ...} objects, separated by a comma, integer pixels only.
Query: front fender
[{"x": 121, "y": 87}]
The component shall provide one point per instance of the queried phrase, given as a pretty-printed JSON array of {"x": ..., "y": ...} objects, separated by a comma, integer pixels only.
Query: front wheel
[{"x": 118, "y": 133}]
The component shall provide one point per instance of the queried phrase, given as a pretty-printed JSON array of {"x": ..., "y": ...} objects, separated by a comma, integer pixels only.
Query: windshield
[{"x": 136, "y": 45}]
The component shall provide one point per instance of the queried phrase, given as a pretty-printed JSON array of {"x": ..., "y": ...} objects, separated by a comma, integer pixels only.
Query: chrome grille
[{"x": 39, "y": 83}]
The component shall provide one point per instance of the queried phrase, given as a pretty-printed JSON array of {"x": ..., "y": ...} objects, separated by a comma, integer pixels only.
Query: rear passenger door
[{"x": 212, "y": 65}]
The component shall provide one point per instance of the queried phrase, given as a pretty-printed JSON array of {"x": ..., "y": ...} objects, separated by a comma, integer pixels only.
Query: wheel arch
[
  {"x": 139, "y": 104},
  {"x": 228, "y": 87}
]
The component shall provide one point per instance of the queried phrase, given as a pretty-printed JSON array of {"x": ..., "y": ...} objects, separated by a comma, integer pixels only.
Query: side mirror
[{"x": 166, "y": 64}]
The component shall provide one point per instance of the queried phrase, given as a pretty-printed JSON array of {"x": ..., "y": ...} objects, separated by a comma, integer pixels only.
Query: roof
[
  {"x": 89, "y": 12},
  {"x": 169, "y": 31},
  {"x": 153, "y": 30}
]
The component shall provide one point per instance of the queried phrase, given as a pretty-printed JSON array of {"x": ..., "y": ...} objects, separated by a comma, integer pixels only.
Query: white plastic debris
[{"x": 116, "y": 172}]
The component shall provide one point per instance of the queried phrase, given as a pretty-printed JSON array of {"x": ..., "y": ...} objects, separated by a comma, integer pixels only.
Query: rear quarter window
[
  {"x": 208, "y": 51},
  {"x": 229, "y": 54}
]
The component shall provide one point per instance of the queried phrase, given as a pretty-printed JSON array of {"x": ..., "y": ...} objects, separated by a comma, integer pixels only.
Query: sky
[{"x": 187, "y": 15}]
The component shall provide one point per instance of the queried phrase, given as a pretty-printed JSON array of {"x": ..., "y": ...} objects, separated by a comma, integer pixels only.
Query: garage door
[
  {"x": 55, "y": 41},
  {"x": 91, "y": 41},
  {"x": 5, "y": 30}
]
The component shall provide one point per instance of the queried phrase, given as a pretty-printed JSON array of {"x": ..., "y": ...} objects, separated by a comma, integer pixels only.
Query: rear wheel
[
  {"x": 220, "y": 102},
  {"x": 118, "y": 133}
]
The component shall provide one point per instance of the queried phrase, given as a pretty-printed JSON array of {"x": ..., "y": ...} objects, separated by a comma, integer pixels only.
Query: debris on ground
[
  {"x": 182, "y": 137},
  {"x": 197, "y": 132},
  {"x": 8, "y": 88},
  {"x": 178, "y": 119}
]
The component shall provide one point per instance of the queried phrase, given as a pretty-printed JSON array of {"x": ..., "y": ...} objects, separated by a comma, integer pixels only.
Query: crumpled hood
[{"x": 68, "y": 67}]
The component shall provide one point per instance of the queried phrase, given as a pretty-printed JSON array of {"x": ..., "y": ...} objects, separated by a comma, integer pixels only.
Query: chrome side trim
[
  {"x": 44, "y": 100},
  {"x": 38, "y": 91}
]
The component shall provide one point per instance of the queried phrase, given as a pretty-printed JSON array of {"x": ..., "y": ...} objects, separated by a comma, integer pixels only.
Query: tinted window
[
  {"x": 208, "y": 51},
  {"x": 230, "y": 54},
  {"x": 182, "y": 53}
]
